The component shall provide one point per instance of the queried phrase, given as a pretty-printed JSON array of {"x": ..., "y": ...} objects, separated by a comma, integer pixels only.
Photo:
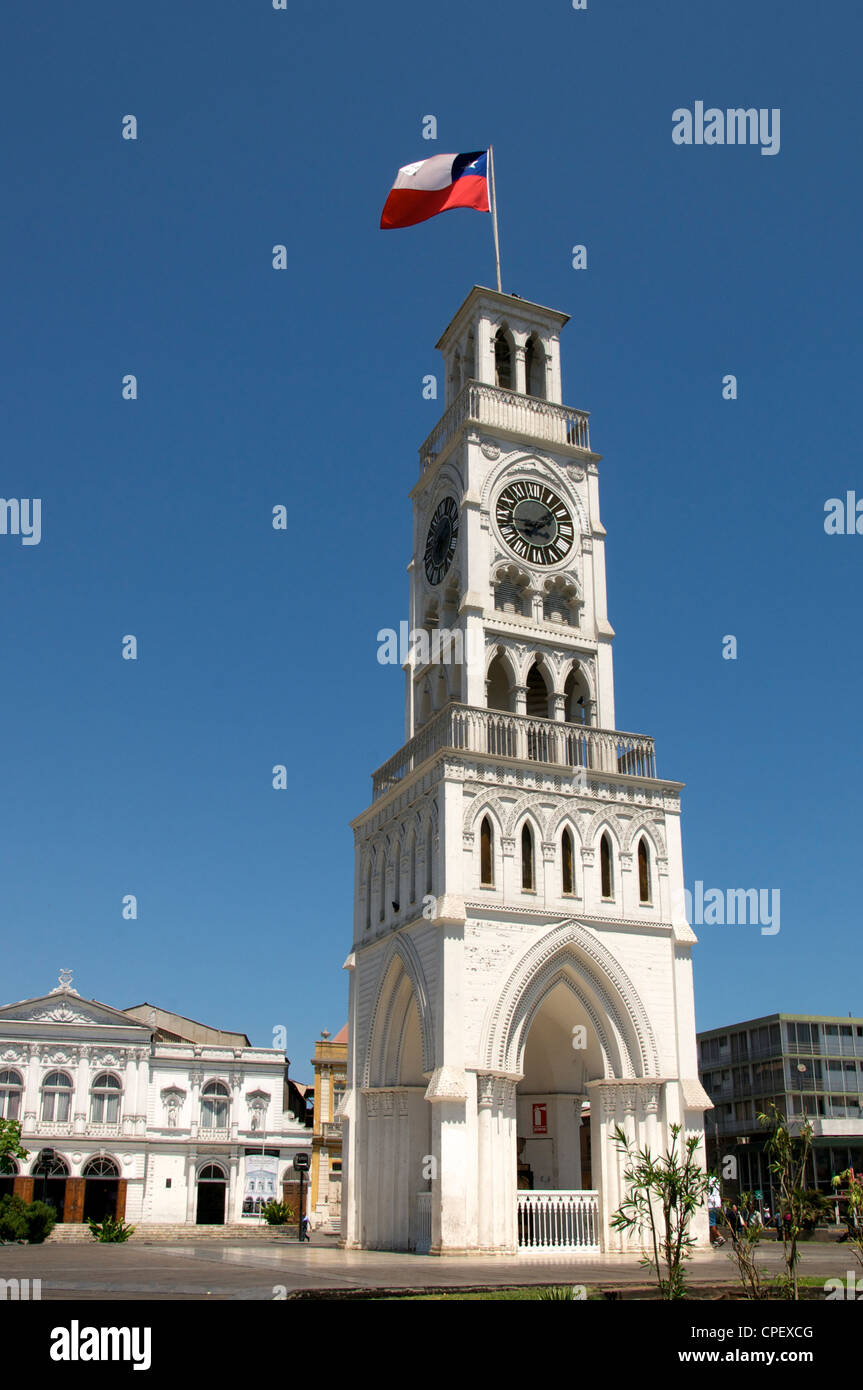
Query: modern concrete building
[{"x": 809, "y": 1066}]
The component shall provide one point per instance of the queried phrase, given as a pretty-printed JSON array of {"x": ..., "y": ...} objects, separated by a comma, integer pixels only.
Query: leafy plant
[
  {"x": 10, "y": 1145},
  {"x": 744, "y": 1249},
  {"x": 663, "y": 1195},
  {"x": 854, "y": 1209},
  {"x": 41, "y": 1219},
  {"x": 559, "y": 1293},
  {"x": 276, "y": 1213},
  {"x": 789, "y": 1154},
  {"x": 110, "y": 1231},
  {"x": 13, "y": 1224},
  {"x": 30, "y": 1221}
]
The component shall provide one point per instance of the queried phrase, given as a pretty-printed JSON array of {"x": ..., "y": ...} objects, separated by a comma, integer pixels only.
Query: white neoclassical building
[
  {"x": 144, "y": 1114},
  {"x": 520, "y": 977}
]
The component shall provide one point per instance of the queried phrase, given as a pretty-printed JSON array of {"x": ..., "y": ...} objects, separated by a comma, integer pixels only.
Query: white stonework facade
[
  {"x": 520, "y": 977},
  {"x": 139, "y": 1119}
]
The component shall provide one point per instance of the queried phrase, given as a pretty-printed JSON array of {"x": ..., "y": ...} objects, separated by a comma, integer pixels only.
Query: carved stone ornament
[
  {"x": 61, "y": 1013},
  {"x": 490, "y": 451},
  {"x": 172, "y": 1099},
  {"x": 446, "y": 1083}
]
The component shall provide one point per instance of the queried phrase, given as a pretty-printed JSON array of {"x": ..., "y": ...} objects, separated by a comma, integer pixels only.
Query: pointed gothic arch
[
  {"x": 615, "y": 1008},
  {"x": 401, "y": 981}
]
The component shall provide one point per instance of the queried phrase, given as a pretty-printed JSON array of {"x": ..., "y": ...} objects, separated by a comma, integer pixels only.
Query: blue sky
[{"x": 303, "y": 387}]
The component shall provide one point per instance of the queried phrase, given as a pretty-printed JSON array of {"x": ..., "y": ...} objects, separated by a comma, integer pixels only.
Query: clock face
[
  {"x": 441, "y": 540},
  {"x": 534, "y": 523}
]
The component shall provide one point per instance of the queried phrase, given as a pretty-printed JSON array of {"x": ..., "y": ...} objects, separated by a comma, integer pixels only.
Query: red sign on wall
[{"x": 540, "y": 1118}]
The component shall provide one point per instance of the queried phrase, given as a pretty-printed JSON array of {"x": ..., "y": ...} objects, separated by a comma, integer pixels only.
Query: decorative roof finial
[{"x": 65, "y": 984}]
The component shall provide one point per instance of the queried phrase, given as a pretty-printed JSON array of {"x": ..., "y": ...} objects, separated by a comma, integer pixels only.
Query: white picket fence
[{"x": 558, "y": 1221}]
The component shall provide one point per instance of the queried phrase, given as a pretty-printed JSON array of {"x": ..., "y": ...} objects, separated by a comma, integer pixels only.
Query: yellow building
[{"x": 330, "y": 1064}]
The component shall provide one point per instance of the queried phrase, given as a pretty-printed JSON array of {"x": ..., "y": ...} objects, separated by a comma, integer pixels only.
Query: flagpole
[{"x": 494, "y": 212}]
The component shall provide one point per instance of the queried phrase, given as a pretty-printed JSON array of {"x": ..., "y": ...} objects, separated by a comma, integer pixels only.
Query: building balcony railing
[
  {"x": 510, "y": 411},
  {"x": 464, "y": 728}
]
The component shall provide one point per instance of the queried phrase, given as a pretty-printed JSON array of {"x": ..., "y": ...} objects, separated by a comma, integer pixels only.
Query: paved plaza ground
[{"x": 249, "y": 1271}]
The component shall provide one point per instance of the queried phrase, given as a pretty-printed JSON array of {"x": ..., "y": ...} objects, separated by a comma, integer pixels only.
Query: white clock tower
[{"x": 520, "y": 977}]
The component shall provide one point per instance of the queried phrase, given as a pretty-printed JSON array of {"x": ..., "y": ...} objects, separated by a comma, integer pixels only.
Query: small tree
[
  {"x": 789, "y": 1154},
  {"x": 744, "y": 1249},
  {"x": 10, "y": 1145},
  {"x": 663, "y": 1194},
  {"x": 854, "y": 1211}
]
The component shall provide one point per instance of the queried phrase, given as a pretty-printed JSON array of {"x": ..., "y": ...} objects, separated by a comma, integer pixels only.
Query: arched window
[
  {"x": 396, "y": 901},
  {"x": 55, "y": 1167},
  {"x": 368, "y": 895},
  {"x": 497, "y": 686},
  {"x": 527, "y": 875},
  {"x": 412, "y": 870},
  {"x": 105, "y": 1099},
  {"x": 100, "y": 1166},
  {"x": 605, "y": 866},
  {"x": 382, "y": 905},
  {"x": 215, "y": 1101},
  {"x": 643, "y": 871},
  {"x": 577, "y": 698},
  {"x": 486, "y": 854},
  {"x": 502, "y": 360},
  {"x": 212, "y": 1172},
  {"x": 537, "y": 694},
  {"x": 429, "y": 856},
  {"x": 11, "y": 1090},
  {"x": 57, "y": 1097},
  {"x": 534, "y": 367},
  {"x": 567, "y": 861}
]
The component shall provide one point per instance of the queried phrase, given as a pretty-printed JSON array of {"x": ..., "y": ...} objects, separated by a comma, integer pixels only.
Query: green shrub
[
  {"x": 276, "y": 1213},
  {"x": 13, "y": 1224},
  {"x": 110, "y": 1231},
  {"x": 41, "y": 1220},
  {"x": 558, "y": 1293}
]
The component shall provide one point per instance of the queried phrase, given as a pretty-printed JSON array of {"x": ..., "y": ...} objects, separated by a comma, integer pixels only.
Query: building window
[
  {"x": 100, "y": 1166},
  {"x": 527, "y": 875},
  {"x": 486, "y": 854},
  {"x": 429, "y": 856},
  {"x": 567, "y": 862},
  {"x": 534, "y": 367},
  {"x": 643, "y": 871},
  {"x": 56, "y": 1097},
  {"x": 412, "y": 882},
  {"x": 215, "y": 1101},
  {"x": 383, "y": 887},
  {"x": 502, "y": 360},
  {"x": 11, "y": 1089},
  {"x": 605, "y": 867},
  {"x": 105, "y": 1099}
]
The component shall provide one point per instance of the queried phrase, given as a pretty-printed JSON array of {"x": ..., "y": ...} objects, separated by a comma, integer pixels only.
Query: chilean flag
[{"x": 435, "y": 185}]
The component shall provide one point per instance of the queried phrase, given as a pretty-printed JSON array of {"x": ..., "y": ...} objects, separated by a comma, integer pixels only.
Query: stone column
[
  {"x": 486, "y": 1086},
  {"x": 81, "y": 1094},
  {"x": 386, "y": 1149},
  {"x": 195, "y": 1079},
  {"x": 447, "y": 1096},
  {"x": 369, "y": 1235}
]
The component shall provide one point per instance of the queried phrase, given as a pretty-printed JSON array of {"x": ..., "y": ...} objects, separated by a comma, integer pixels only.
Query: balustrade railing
[
  {"x": 481, "y": 404},
  {"x": 558, "y": 1221},
  {"x": 464, "y": 728}
]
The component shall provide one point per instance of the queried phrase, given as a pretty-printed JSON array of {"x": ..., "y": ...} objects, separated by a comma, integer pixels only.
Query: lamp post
[{"x": 301, "y": 1166}]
